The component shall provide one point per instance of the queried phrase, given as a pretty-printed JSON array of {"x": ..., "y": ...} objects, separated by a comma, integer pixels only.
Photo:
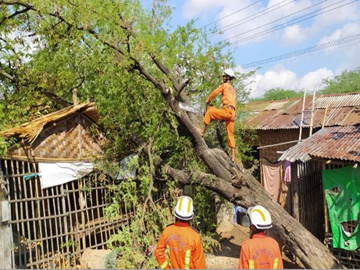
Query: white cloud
[
  {"x": 291, "y": 35},
  {"x": 350, "y": 51},
  {"x": 193, "y": 8},
  {"x": 347, "y": 30},
  {"x": 284, "y": 78},
  {"x": 338, "y": 14},
  {"x": 243, "y": 23},
  {"x": 294, "y": 35}
]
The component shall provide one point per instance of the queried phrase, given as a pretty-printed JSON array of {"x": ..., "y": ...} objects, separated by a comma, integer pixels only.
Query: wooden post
[
  {"x": 5, "y": 228},
  {"x": 302, "y": 116},
  {"x": 312, "y": 113},
  {"x": 295, "y": 182},
  {"x": 326, "y": 213},
  {"x": 324, "y": 119},
  {"x": 81, "y": 202}
]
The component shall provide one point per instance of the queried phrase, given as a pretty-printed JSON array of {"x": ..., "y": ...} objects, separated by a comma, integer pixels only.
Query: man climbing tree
[
  {"x": 125, "y": 59},
  {"x": 228, "y": 111}
]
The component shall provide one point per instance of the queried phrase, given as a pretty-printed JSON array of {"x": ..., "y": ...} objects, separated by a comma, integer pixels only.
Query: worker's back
[
  {"x": 180, "y": 247},
  {"x": 260, "y": 252}
]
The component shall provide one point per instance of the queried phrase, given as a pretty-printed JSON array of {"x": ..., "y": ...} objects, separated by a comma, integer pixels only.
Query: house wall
[
  {"x": 68, "y": 139},
  {"x": 269, "y": 137}
]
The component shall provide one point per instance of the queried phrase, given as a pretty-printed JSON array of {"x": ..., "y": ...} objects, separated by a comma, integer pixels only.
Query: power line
[
  {"x": 294, "y": 21},
  {"x": 282, "y": 18},
  {"x": 231, "y": 14},
  {"x": 312, "y": 49},
  {"x": 252, "y": 17}
]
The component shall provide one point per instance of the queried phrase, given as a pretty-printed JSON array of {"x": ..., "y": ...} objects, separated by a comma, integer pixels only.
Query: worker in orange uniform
[
  {"x": 260, "y": 251},
  {"x": 180, "y": 245},
  {"x": 228, "y": 110}
]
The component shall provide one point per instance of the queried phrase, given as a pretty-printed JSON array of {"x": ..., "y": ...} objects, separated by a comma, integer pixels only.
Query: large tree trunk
[
  {"x": 240, "y": 187},
  {"x": 232, "y": 183},
  {"x": 311, "y": 252}
]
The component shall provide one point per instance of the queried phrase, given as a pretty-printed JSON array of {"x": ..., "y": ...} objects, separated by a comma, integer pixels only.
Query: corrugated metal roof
[
  {"x": 329, "y": 143},
  {"x": 342, "y": 110},
  {"x": 349, "y": 100}
]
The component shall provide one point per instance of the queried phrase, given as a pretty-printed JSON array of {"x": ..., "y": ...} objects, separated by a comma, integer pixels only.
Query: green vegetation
[
  {"x": 279, "y": 93},
  {"x": 346, "y": 82},
  {"x": 108, "y": 52}
]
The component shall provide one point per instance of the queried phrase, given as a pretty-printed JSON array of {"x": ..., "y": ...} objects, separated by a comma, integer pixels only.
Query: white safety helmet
[
  {"x": 184, "y": 209},
  {"x": 260, "y": 217},
  {"x": 229, "y": 72}
]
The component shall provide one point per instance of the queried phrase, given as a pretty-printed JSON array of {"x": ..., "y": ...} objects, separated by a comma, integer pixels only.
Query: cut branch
[{"x": 7, "y": 75}]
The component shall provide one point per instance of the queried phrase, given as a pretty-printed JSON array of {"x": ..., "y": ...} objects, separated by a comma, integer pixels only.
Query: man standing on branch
[
  {"x": 260, "y": 251},
  {"x": 180, "y": 245},
  {"x": 228, "y": 111}
]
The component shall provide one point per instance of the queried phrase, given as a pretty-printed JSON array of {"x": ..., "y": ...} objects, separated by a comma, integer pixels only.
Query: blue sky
[{"x": 306, "y": 72}]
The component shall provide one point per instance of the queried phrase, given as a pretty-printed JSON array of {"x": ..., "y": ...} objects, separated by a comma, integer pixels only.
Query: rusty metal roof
[
  {"x": 329, "y": 143},
  {"x": 343, "y": 110}
]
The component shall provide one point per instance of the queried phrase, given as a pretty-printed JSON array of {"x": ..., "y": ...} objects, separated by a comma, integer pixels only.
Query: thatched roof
[{"x": 30, "y": 130}]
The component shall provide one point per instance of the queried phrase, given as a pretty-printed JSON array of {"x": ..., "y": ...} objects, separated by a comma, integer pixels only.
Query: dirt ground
[{"x": 231, "y": 236}]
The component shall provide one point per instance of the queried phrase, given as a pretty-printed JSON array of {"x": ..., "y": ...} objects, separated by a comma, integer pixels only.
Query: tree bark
[
  {"x": 311, "y": 252},
  {"x": 230, "y": 181}
]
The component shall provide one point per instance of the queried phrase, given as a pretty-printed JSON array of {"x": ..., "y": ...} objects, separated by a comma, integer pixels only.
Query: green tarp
[{"x": 342, "y": 191}]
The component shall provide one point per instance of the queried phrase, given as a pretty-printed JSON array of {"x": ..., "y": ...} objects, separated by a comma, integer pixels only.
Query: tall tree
[
  {"x": 346, "y": 82},
  {"x": 279, "y": 93},
  {"x": 137, "y": 70}
]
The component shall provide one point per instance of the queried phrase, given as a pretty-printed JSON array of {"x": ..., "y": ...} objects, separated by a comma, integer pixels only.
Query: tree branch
[
  {"x": 7, "y": 75},
  {"x": 14, "y": 14}
]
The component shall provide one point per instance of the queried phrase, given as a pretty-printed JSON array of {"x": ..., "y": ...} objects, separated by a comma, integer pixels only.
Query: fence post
[{"x": 5, "y": 228}]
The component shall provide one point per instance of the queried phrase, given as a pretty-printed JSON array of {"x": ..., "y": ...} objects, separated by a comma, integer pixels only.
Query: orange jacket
[
  {"x": 180, "y": 247},
  {"x": 228, "y": 95},
  {"x": 260, "y": 252}
]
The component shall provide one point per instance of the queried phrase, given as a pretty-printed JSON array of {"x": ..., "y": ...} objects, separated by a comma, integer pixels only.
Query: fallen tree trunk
[
  {"x": 228, "y": 180},
  {"x": 311, "y": 252}
]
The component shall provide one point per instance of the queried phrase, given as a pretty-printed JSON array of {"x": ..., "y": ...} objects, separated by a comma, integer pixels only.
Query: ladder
[{"x": 303, "y": 113}]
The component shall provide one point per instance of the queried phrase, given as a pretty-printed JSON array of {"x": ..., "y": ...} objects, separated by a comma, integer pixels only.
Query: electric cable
[
  {"x": 312, "y": 49},
  {"x": 231, "y": 14},
  {"x": 291, "y": 22}
]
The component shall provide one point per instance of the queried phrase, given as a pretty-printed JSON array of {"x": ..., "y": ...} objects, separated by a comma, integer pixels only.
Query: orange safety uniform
[
  {"x": 227, "y": 113},
  {"x": 260, "y": 252},
  {"x": 180, "y": 247}
]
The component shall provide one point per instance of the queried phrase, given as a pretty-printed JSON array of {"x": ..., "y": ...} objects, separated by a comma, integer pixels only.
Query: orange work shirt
[
  {"x": 228, "y": 95},
  {"x": 260, "y": 252},
  {"x": 180, "y": 247}
]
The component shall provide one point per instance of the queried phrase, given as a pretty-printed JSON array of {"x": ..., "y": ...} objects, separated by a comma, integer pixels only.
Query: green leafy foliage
[
  {"x": 279, "y": 93},
  {"x": 96, "y": 48},
  {"x": 346, "y": 82}
]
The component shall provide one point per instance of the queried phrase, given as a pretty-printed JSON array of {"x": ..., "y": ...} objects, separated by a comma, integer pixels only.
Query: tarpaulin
[
  {"x": 54, "y": 174},
  {"x": 342, "y": 191}
]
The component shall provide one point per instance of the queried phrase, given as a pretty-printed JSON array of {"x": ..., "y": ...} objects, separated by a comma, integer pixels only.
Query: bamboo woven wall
[
  {"x": 68, "y": 139},
  {"x": 53, "y": 226}
]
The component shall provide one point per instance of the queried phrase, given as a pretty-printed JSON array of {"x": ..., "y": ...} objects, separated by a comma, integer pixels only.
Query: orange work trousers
[{"x": 227, "y": 114}]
